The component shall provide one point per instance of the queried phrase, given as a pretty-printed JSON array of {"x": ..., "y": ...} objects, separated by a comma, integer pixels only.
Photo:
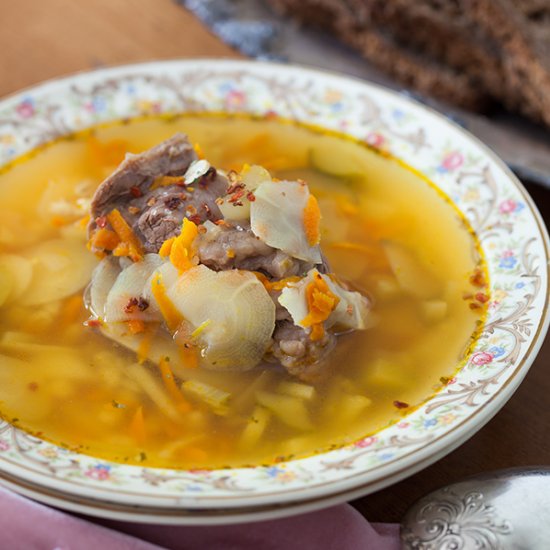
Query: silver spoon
[{"x": 506, "y": 509}]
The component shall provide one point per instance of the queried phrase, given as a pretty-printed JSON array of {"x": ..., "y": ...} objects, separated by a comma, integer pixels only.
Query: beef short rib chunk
[{"x": 157, "y": 214}]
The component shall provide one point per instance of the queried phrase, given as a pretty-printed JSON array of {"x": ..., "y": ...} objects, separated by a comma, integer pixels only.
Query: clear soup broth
[{"x": 65, "y": 382}]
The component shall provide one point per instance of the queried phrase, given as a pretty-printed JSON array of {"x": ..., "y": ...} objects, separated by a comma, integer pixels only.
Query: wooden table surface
[{"x": 44, "y": 39}]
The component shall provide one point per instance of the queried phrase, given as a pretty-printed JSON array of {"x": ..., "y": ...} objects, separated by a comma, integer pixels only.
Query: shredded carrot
[
  {"x": 321, "y": 302},
  {"x": 135, "y": 326},
  {"x": 189, "y": 356},
  {"x": 283, "y": 283},
  {"x": 166, "y": 247},
  {"x": 312, "y": 221},
  {"x": 107, "y": 154},
  {"x": 171, "y": 386},
  {"x": 104, "y": 239},
  {"x": 199, "y": 151},
  {"x": 137, "y": 426},
  {"x": 145, "y": 346},
  {"x": 275, "y": 285},
  {"x": 121, "y": 249},
  {"x": 169, "y": 312},
  {"x": 182, "y": 252},
  {"x": 125, "y": 234}
]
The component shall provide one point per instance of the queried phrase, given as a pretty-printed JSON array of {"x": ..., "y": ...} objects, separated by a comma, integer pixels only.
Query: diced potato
[
  {"x": 289, "y": 410},
  {"x": 433, "y": 311},
  {"x": 413, "y": 277},
  {"x": 336, "y": 158},
  {"x": 295, "y": 389},
  {"x": 387, "y": 288},
  {"x": 385, "y": 372},
  {"x": 21, "y": 270},
  {"x": 255, "y": 427},
  {"x": 62, "y": 268},
  {"x": 351, "y": 406},
  {"x": 215, "y": 398},
  {"x": 298, "y": 445}
]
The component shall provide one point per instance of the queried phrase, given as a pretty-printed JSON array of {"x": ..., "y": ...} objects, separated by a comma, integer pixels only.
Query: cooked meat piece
[
  {"x": 293, "y": 348},
  {"x": 231, "y": 245},
  {"x": 156, "y": 215}
]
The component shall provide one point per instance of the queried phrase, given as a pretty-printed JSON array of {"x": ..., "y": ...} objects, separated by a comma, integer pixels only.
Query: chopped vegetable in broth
[{"x": 161, "y": 352}]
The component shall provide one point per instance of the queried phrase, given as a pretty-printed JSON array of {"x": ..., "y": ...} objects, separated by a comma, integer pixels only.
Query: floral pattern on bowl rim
[{"x": 511, "y": 232}]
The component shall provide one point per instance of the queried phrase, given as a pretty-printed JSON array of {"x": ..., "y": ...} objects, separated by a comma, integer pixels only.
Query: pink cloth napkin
[{"x": 27, "y": 525}]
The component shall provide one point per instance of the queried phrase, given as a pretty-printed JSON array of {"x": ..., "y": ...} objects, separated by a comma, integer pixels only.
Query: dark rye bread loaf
[
  {"x": 435, "y": 46},
  {"x": 522, "y": 29}
]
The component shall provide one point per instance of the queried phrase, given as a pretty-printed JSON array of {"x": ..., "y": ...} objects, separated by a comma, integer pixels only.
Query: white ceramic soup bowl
[{"x": 512, "y": 237}]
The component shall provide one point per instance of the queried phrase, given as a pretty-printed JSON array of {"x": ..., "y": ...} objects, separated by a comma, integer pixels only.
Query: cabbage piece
[
  {"x": 230, "y": 312},
  {"x": 277, "y": 218},
  {"x": 130, "y": 284},
  {"x": 350, "y": 313}
]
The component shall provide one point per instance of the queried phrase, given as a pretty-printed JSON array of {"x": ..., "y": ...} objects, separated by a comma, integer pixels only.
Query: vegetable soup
[{"x": 381, "y": 277}]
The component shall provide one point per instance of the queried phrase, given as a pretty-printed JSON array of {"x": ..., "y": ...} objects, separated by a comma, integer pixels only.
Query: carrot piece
[
  {"x": 137, "y": 426},
  {"x": 166, "y": 247},
  {"x": 135, "y": 326},
  {"x": 171, "y": 387},
  {"x": 321, "y": 303},
  {"x": 125, "y": 234},
  {"x": 182, "y": 252},
  {"x": 104, "y": 239},
  {"x": 312, "y": 221},
  {"x": 283, "y": 283},
  {"x": 169, "y": 312},
  {"x": 199, "y": 151},
  {"x": 189, "y": 356}
]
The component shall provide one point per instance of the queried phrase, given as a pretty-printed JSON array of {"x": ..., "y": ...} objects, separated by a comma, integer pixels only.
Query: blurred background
[{"x": 483, "y": 63}]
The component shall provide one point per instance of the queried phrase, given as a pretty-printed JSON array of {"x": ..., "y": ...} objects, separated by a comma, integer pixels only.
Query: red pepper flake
[
  {"x": 136, "y": 192},
  {"x": 206, "y": 208},
  {"x": 237, "y": 195},
  {"x": 140, "y": 303},
  {"x": 474, "y": 305},
  {"x": 101, "y": 222},
  {"x": 467, "y": 296},
  {"x": 33, "y": 386},
  {"x": 152, "y": 201},
  {"x": 195, "y": 218},
  {"x": 134, "y": 210},
  {"x": 477, "y": 278},
  {"x": 482, "y": 297},
  {"x": 236, "y": 186},
  {"x": 93, "y": 323},
  {"x": 172, "y": 203},
  {"x": 191, "y": 210},
  {"x": 400, "y": 404},
  {"x": 250, "y": 196}
]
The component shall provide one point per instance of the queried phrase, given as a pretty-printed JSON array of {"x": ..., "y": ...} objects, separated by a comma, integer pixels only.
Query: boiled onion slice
[
  {"x": 130, "y": 284},
  {"x": 230, "y": 313},
  {"x": 277, "y": 218}
]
